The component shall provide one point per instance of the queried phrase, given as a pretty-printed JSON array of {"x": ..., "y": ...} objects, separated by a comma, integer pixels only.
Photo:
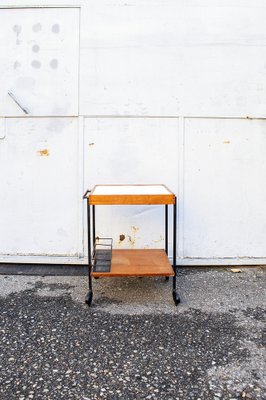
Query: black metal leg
[
  {"x": 166, "y": 233},
  {"x": 88, "y": 298},
  {"x": 93, "y": 225},
  {"x": 175, "y": 294},
  {"x": 166, "y": 228},
  {"x": 93, "y": 232}
]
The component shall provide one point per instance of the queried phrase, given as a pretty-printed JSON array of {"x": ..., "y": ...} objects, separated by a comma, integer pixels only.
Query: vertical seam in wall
[
  {"x": 79, "y": 61},
  {"x": 80, "y": 179},
  {"x": 5, "y": 128},
  {"x": 180, "y": 209}
]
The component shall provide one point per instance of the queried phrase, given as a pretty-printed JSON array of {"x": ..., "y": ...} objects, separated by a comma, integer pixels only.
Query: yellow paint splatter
[
  {"x": 131, "y": 240},
  {"x": 44, "y": 153},
  {"x": 158, "y": 240}
]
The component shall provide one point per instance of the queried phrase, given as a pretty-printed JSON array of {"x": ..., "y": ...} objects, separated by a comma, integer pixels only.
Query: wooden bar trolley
[{"x": 104, "y": 261}]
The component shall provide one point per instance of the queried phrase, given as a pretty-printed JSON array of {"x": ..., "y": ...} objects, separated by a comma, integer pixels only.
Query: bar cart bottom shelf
[{"x": 143, "y": 262}]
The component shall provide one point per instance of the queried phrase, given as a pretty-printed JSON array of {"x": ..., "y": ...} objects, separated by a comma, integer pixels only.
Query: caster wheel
[
  {"x": 88, "y": 298},
  {"x": 176, "y": 298}
]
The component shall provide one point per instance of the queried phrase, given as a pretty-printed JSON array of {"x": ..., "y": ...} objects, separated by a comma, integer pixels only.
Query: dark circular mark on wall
[
  {"x": 56, "y": 28},
  {"x": 122, "y": 237},
  {"x": 35, "y": 48},
  {"x": 36, "y": 27},
  {"x": 36, "y": 64},
  {"x": 54, "y": 63},
  {"x": 16, "y": 64},
  {"x": 17, "y": 29}
]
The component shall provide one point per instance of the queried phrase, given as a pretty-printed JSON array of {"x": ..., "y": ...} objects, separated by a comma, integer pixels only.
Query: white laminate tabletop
[{"x": 102, "y": 190}]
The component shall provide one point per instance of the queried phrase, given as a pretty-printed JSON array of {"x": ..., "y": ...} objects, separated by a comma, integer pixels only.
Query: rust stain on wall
[
  {"x": 43, "y": 153},
  {"x": 121, "y": 239},
  {"x": 128, "y": 238},
  {"x": 226, "y": 142},
  {"x": 132, "y": 240}
]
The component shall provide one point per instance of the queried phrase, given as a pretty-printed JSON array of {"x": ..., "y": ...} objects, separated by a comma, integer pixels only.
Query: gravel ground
[{"x": 133, "y": 343}]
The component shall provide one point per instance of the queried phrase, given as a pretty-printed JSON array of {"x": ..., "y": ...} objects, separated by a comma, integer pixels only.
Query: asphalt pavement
[{"x": 133, "y": 342}]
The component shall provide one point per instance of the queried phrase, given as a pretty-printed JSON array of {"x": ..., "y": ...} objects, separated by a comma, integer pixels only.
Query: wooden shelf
[
  {"x": 130, "y": 194},
  {"x": 136, "y": 262}
]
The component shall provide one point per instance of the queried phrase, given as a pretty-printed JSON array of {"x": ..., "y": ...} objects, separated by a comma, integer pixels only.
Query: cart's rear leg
[{"x": 88, "y": 298}]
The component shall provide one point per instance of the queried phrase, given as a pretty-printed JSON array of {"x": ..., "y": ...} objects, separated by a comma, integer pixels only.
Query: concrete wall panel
[
  {"x": 131, "y": 151},
  {"x": 39, "y": 187},
  {"x": 224, "y": 188},
  {"x": 39, "y": 61},
  {"x": 172, "y": 58}
]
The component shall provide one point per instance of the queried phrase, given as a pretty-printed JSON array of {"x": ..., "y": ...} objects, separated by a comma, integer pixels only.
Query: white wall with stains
[
  {"x": 39, "y": 53},
  {"x": 115, "y": 91},
  {"x": 39, "y": 190}
]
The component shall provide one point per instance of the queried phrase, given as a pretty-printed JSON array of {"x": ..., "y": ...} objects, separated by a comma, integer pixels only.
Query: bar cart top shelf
[{"x": 130, "y": 195}]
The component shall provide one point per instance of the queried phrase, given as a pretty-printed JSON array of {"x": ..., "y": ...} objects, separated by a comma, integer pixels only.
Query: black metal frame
[
  {"x": 89, "y": 295},
  {"x": 91, "y": 222},
  {"x": 175, "y": 294}
]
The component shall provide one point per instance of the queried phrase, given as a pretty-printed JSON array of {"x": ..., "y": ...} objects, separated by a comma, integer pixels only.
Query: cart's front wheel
[
  {"x": 88, "y": 298},
  {"x": 176, "y": 297}
]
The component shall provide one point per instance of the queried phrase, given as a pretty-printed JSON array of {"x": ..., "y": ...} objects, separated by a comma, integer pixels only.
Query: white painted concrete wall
[{"x": 133, "y": 91}]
